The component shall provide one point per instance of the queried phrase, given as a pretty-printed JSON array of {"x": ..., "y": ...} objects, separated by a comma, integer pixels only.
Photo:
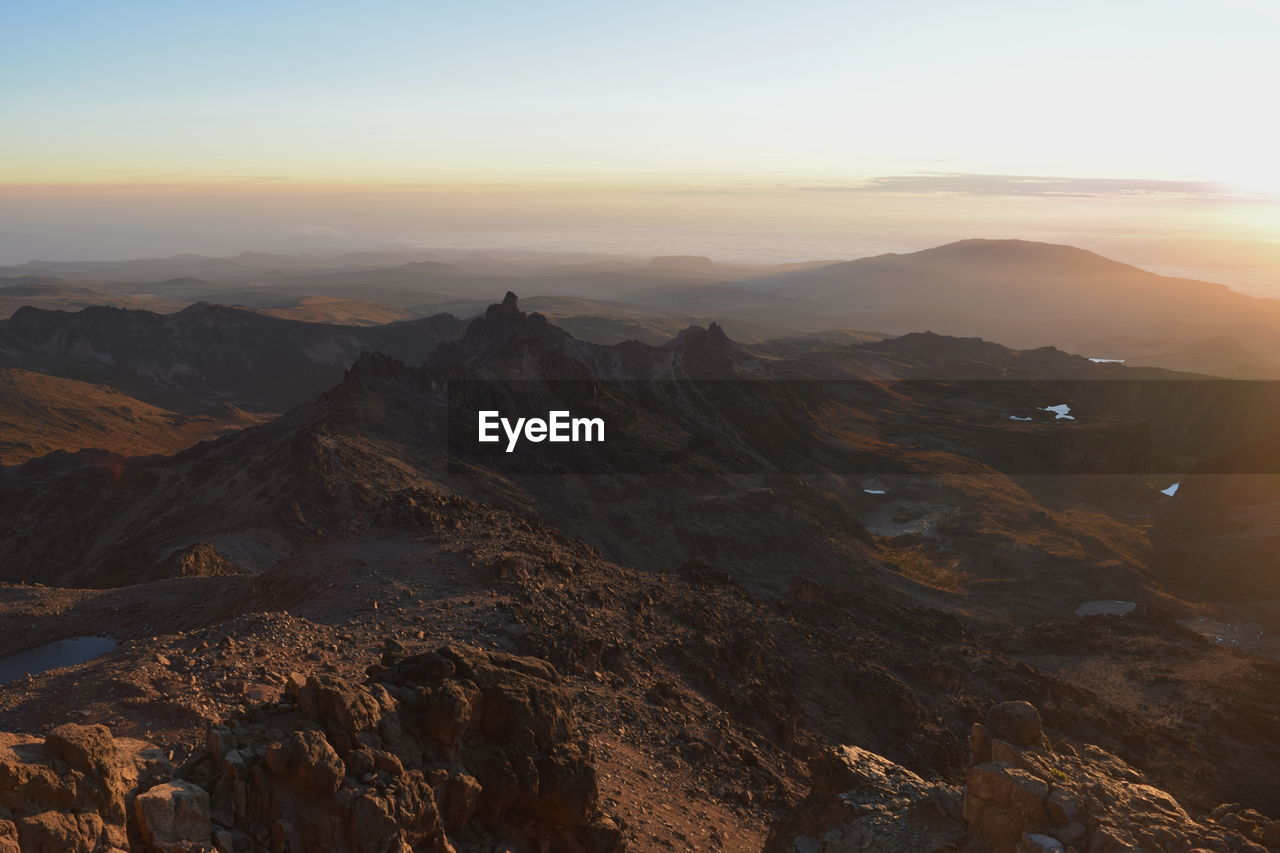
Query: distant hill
[
  {"x": 40, "y": 414},
  {"x": 333, "y": 309},
  {"x": 46, "y": 292},
  {"x": 1027, "y": 294}
]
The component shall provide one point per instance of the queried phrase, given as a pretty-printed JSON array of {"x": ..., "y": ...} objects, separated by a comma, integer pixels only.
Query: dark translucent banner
[{"x": 1051, "y": 427}]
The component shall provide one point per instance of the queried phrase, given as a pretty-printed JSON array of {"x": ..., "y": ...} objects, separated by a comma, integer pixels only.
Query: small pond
[{"x": 60, "y": 653}]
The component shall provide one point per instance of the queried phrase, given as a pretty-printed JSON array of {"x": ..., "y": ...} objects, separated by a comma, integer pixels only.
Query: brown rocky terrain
[
  {"x": 703, "y": 655},
  {"x": 442, "y": 750},
  {"x": 40, "y": 414},
  {"x": 1023, "y": 793}
]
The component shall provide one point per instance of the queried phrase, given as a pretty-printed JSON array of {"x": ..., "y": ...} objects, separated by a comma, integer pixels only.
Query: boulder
[
  {"x": 1015, "y": 722},
  {"x": 173, "y": 813},
  {"x": 69, "y": 790},
  {"x": 308, "y": 757}
]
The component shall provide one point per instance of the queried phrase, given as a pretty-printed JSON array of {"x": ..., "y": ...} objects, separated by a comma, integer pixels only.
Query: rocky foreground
[
  {"x": 435, "y": 752},
  {"x": 1024, "y": 793},
  {"x": 461, "y": 749}
]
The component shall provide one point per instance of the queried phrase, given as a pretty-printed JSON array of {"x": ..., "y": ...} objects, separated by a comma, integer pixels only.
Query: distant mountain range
[{"x": 1018, "y": 293}]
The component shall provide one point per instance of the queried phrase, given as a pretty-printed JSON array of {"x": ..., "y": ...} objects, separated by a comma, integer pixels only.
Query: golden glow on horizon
[{"x": 823, "y": 128}]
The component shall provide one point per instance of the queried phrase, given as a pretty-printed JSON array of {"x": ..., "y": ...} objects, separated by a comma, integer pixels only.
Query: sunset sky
[{"x": 584, "y": 110}]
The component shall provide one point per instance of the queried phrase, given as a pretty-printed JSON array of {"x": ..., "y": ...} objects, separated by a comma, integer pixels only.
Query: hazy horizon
[
  {"x": 1193, "y": 236},
  {"x": 747, "y": 132}
]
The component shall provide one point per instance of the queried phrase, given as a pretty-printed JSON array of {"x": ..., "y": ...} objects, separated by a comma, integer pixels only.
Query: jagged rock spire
[{"x": 505, "y": 321}]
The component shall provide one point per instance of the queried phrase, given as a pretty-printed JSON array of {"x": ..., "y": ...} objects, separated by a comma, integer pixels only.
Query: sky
[{"x": 633, "y": 123}]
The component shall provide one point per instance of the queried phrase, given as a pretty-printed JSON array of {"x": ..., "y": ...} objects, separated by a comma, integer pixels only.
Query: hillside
[
  {"x": 336, "y": 310},
  {"x": 56, "y": 294},
  {"x": 40, "y": 414}
]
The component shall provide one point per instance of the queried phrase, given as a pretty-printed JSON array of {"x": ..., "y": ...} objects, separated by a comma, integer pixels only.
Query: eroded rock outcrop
[
  {"x": 72, "y": 789},
  {"x": 440, "y": 746},
  {"x": 1023, "y": 793},
  {"x": 435, "y": 751},
  {"x": 861, "y": 801},
  {"x": 201, "y": 559}
]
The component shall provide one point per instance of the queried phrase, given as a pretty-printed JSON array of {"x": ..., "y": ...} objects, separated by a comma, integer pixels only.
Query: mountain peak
[
  {"x": 1021, "y": 253},
  {"x": 371, "y": 364},
  {"x": 712, "y": 337},
  {"x": 504, "y": 321}
]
